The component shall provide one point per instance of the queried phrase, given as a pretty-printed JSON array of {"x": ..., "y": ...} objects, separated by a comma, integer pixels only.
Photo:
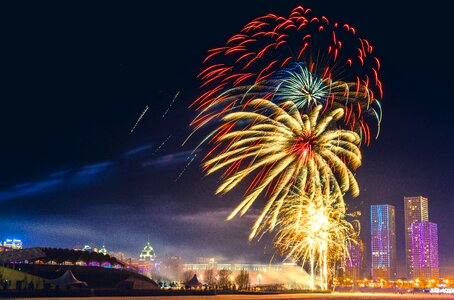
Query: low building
[
  {"x": 41, "y": 265},
  {"x": 289, "y": 275},
  {"x": 17, "y": 280},
  {"x": 12, "y": 244},
  {"x": 59, "y": 256}
]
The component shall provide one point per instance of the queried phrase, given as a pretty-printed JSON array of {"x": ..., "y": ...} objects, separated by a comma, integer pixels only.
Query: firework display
[
  {"x": 291, "y": 100},
  {"x": 315, "y": 232},
  {"x": 284, "y": 150},
  {"x": 304, "y": 58}
]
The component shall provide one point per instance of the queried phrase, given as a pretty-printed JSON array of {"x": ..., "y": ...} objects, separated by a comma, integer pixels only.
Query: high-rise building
[
  {"x": 354, "y": 261},
  {"x": 424, "y": 250},
  {"x": 415, "y": 210},
  {"x": 383, "y": 242},
  {"x": 12, "y": 244}
]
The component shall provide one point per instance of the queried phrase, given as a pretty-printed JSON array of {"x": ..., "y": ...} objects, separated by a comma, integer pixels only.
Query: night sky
[{"x": 75, "y": 78}]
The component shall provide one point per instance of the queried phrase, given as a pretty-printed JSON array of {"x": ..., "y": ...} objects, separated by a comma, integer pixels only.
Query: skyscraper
[
  {"x": 415, "y": 210},
  {"x": 383, "y": 241},
  {"x": 354, "y": 261},
  {"x": 424, "y": 250}
]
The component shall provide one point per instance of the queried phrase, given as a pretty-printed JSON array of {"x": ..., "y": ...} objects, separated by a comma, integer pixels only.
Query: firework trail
[
  {"x": 140, "y": 118},
  {"x": 186, "y": 167},
  {"x": 162, "y": 144},
  {"x": 171, "y": 103}
]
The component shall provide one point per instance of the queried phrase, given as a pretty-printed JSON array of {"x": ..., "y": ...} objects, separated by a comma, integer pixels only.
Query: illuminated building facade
[
  {"x": 288, "y": 275},
  {"x": 103, "y": 250},
  {"x": 354, "y": 262},
  {"x": 147, "y": 265},
  {"x": 87, "y": 247},
  {"x": 415, "y": 210},
  {"x": 234, "y": 267},
  {"x": 425, "y": 250},
  {"x": 383, "y": 242},
  {"x": 147, "y": 253},
  {"x": 12, "y": 244}
]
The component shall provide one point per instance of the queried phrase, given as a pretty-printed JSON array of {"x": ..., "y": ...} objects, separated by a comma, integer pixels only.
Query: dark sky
[{"x": 75, "y": 78}]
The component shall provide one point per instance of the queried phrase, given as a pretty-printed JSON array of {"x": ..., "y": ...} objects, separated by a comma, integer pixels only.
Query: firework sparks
[
  {"x": 316, "y": 232},
  {"x": 140, "y": 118},
  {"x": 291, "y": 98},
  {"x": 303, "y": 58},
  {"x": 284, "y": 149}
]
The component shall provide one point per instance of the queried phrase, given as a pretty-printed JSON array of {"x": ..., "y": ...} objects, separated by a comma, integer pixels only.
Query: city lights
[{"x": 227, "y": 150}]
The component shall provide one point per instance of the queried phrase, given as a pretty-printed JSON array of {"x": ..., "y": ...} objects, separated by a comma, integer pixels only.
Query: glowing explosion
[
  {"x": 303, "y": 58},
  {"x": 315, "y": 232},
  {"x": 290, "y": 99},
  {"x": 289, "y": 150}
]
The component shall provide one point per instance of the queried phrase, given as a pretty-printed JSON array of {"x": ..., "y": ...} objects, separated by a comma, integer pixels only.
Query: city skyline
[
  {"x": 423, "y": 238},
  {"x": 73, "y": 174}
]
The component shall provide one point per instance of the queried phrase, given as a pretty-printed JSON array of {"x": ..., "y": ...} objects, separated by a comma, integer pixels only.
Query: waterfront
[{"x": 340, "y": 296}]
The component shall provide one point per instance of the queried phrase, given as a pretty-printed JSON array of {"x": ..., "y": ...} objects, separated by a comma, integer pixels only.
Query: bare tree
[
  {"x": 210, "y": 278},
  {"x": 224, "y": 278},
  {"x": 243, "y": 280}
]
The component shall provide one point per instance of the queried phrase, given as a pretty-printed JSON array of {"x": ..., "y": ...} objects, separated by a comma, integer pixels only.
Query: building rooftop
[{"x": 147, "y": 253}]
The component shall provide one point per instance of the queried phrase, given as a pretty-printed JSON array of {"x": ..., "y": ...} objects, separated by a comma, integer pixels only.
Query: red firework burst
[{"x": 331, "y": 51}]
